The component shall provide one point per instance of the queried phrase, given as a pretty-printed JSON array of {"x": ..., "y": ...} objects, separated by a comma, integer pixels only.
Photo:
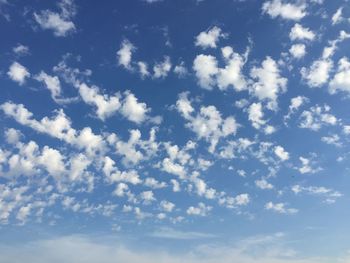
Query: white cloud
[
  {"x": 337, "y": 16},
  {"x": 317, "y": 117},
  {"x": 154, "y": 184},
  {"x": 209, "y": 38},
  {"x": 206, "y": 69},
  {"x": 269, "y": 82},
  {"x": 106, "y": 106},
  {"x": 134, "y": 110},
  {"x": 329, "y": 194},
  {"x": 297, "y": 50},
  {"x": 147, "y": 197},
  {"x": 281, "y": 153},
  {"x": 59, "y": 23},
  {"x": 257, "y": 249},
  {"x": 18, "y": 73},
  {"x": 167, "y": 206},
  {"x": 276, "y": 8},
  {"x": 333, "y": 139},
  {"x": 307, "y": 166},
  {"x": 58, "y": 127},
  {"x": 263, "y": 184},
  {"x": 295, "y": 104},
  {"x": 210, "y": 75},
  {"x": 256, "y": 115},
  {"x": 231, "y": 74},
  {"x": 124, "y": 54},
  {"x": 280, "y": 208},
  {"x": 162, "y": 69},
  {"x": 207, "y": 123},
  {"x": 298, "y": 32},
  {"x": 143, "y": 69},
  {"x": 200, "y": 210},
  {"x": 318, "y": 73},
  {"x": 181, "y": 70},
  {"x": 21, "y": 50},
  {"x": 341, "y": 79},
  {"x": 53, "y": 84}
]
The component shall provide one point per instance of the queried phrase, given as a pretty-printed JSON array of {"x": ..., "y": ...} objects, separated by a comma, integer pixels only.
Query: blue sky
[{"x": 174, "y": 131}]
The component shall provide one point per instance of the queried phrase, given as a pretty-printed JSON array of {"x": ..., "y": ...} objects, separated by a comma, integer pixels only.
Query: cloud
[
  {"x": 337, "y": 16},
  {"x": 207, "y": 123},
  {"x": 59, "y": 23},
  {"x": 281, "y": 153},
  {"x": 21, "y": 50},
  {"x": 298, "y": 32},
  {"x": 124, "y": 54},
  {"x": 341, "y": 80},
  {"x": 210, "y": 75},
  {"x": 200, "y": 210},
  {"x": 209, "y": 38},
  {"x": 58, "y": 127},
  {"x": 278, "y": 8},
  {"x": 18, "y": 73},
  {"x": 162, "y": 69},
  {"x": 307, "y": 166},
  {"x": 297, "y": 50},
  {"x": 263, "y": 184},
  {"x": 280, "y": 208},
  {"x": 53, "y": 84},
  {"x": 317, "y": 117},
  {"x": 329, "y": 194},
  {"x": 319, "y": 71},
  {"x": 269, "y": 82},
  {"x": 256, "y": 115},
  {"x": 206, "y": 69},
  {"x": 256, "y": 249}
]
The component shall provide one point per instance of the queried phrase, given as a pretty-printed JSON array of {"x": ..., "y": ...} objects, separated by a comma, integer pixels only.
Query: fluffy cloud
[
  {"x": 317, "y": 117},
  {"x": 124, "y": 54},
  {"x": 297, "y": 50},
  {"x": 209, "y": 38},
  {"x": 281, "y": 153},
  {"x": 106, "y": 106},
  {"x": 278, "y": 8},
  {"x": 298, "y": 32},
  {"x": 207, "y": 123},
  {"x": 162, "y": 69},
  {"x": 295, "y": 104},
  {"x": 134, "y": 110},
  {"x": 206, "y": 68},
  {"x": 18, "y": 73},
  {"x": 58, "y": 127},
  {"x": 337, "y": 16},
  {"x": 59, "y": 23},
  {"x": 256, "y": 115},
  {"x": 341, "y": 79},
  {"x": 21, "y": 50},
  {"x": 200, "y": 210},
  {"x": 269, "y": 82},
  {"x": 263, "y": 184},
  {"x": 319, "y": 71},
  {"x": 210, "y": 75},
  {"x": 307, "y": 166}
]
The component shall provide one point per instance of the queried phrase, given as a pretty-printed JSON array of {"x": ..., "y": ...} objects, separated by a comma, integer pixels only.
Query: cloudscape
[{"x": 171, "y": 131}]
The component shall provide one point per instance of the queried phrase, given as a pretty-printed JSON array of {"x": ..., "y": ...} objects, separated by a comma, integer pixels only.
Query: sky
[{"x": 175, "y": 131}]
